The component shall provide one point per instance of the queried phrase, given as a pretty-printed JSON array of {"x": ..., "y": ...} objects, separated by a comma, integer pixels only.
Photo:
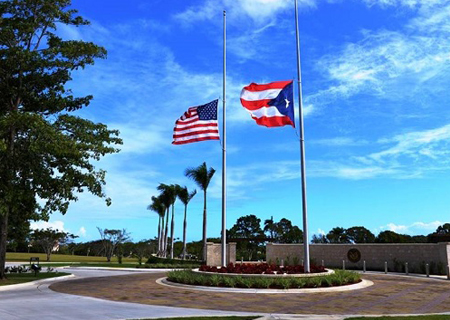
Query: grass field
[
  {"x": 429, "y": 317},
  {"x": 25, "y": 257},
  {"x": 15, "y": 278}
]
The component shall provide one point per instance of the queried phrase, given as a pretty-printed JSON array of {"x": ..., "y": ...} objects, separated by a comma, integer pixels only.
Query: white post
[
  {"x": 302, "y": 148},
  {"x": 364, "y": 266},
  {"x": 224, "y": 152},
  {"x": 427, "y": 270},
  {"x": 406, "y": 268},
  {"x": 343, "y": 264},
  {"x": 385, "y": 267}
]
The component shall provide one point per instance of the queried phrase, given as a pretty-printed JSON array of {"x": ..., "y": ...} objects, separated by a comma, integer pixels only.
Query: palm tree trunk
[
  {"x": 204, "y": 225},
  {"x": 184, "y": 232},
  {"x": 162, "y": 237},
  {"x": 166, "y": 233},
  {"x": 159, "y": 233},
  {"x": 3, "y": 238},
  {"x": 172, "y": 226}
]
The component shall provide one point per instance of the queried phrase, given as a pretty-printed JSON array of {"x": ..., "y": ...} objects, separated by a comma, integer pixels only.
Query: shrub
[
  {"x": 340, "y": 277},
  {"x": 261, "y": 268},
  {"x": 158, "y": 260}
]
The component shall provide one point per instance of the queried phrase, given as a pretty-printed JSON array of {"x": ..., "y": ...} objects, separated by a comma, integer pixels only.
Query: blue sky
[{"x": 377, "y": 117}]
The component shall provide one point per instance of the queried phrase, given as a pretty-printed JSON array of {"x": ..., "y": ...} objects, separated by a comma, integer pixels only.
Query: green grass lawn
[
  {"x": 25, "y": 257},
  {"x": 430, "y": 317},
  {"x": 15, "y": 278}
]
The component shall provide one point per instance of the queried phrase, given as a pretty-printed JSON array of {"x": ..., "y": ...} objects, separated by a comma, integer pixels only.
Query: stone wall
[
  {"x": 375, "y": 255},
  {"x": 214, "y": 253}
]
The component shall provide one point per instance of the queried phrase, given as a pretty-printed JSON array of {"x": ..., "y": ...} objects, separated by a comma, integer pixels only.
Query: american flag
[{"x": 197, "y": 124}]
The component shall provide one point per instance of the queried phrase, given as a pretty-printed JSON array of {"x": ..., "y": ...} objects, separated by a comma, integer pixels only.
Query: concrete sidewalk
[{"x": 38, "y": 301}]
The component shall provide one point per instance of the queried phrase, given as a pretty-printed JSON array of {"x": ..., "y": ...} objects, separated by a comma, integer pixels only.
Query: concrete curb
[
  {"x": 117, "y": 269},
  {"x": 403, "y": 275},
  {"x": 32, "y": 283},
  {"x": 361, "y": 285}
]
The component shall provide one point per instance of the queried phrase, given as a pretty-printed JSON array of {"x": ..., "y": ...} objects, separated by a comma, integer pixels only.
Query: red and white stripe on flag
[
  {"x": 256, "y": 97},
  {"x": 190, "y": 128}
]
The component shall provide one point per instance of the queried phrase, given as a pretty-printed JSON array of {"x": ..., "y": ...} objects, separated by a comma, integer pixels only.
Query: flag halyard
[{"x": 197, "y": 124}]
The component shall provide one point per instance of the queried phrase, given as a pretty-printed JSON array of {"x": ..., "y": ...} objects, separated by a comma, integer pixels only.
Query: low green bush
[
  {"x": 166, "y": 261},
  {"x": 339, "y": 278}
]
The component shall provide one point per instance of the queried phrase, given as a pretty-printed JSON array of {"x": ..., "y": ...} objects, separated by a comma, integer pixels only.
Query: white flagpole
[
  {"x": 302, "y": 149},
  {"x": 224, "y": 152}
]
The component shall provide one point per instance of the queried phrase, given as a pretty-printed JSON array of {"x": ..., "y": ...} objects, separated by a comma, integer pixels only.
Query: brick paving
[{"x": 389, "y": 295}]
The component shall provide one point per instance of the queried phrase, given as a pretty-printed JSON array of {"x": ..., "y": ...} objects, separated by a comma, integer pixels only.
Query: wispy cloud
[
  {"x": 339, "y": 142},
  {"x": 385, "y": 62},
  {"x": 405, "y": 3},
  {"x": 259, "y": 11},
  {"x": 430, "y": 144},
  {"x": 414, "y": 228}
]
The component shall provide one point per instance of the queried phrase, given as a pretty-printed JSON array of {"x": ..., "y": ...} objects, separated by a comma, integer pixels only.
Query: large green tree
[
  {"x": 360, "y": 235},
  {"x": 247, "y": 230},
  {"x": 286, "y": 232},
  {"x": 50, "y": 240},
  {"x": 392, "y": 237},
  {"x": 202, "y": 176},
  {"x": 338, "y": 235},
  {"x": 45, "y": 152}
]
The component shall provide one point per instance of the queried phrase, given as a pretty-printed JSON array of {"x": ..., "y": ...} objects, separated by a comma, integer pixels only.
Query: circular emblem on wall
[{"x": 354, "y": 255}]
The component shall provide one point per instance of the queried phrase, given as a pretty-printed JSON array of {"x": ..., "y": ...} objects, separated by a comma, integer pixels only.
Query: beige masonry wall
[
  {"x": 214, "y": 253},
  {"x": 375, "y": 255}
]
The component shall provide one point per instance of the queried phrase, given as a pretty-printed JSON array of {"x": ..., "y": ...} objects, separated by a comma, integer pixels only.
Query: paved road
[{"x": 38, "y": 301}]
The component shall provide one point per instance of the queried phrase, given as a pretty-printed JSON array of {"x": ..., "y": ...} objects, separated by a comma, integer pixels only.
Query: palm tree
[
  {"x": 158, "y": 207},
  {"x": 270, "y": 227},
  {"x": 185, "y": 196},
  {"x": 176, "y": 189},
  {"x": 201, "y": 175},
  {"x": 169, "y": 195}
]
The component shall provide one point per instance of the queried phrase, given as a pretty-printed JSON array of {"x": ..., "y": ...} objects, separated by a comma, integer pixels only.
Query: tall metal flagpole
[
  {"x": 302, "y": 149},
  {"x": 224, "y": 151}
]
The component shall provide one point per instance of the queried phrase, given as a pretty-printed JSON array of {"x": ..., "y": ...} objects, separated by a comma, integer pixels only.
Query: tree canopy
[
  {"x": 50, "y": 239},
  {"x": 45, "y": 152}
]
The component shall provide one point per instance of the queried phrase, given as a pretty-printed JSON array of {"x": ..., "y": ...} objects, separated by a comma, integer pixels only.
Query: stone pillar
[{"x": 213, "y": 253}]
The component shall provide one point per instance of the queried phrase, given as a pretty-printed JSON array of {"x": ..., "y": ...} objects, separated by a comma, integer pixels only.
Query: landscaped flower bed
[
  {"x": 338, "y": 278},
  {"x": 261, "y": 268}
]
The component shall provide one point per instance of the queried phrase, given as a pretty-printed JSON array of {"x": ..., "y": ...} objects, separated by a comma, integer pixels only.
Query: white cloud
[
  {"x": 55, "y": 225},
  {"x": 82, "y": 232},
  {"x": 414, "y": 228},
  {"x": 385, "y": 62},
  {"x": 259, "y": 11},
  {"x": 431, "y": 143},
  {"x": 405, "y": 3},
  {"x": 340, "y": 142},
  {"x": 350, "y": 170}
]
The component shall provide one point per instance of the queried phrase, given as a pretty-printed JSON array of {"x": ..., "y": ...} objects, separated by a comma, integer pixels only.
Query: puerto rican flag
[{"x": 271, "y": 104}]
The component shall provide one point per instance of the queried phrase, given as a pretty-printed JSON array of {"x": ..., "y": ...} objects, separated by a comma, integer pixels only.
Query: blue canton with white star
[
  {"x": 284, "y": 102},
  {"x": 208, "y": 111}
]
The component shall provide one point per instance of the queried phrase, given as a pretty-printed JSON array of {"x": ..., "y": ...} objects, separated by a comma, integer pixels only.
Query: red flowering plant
[{"x": 261, "y": 268}]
